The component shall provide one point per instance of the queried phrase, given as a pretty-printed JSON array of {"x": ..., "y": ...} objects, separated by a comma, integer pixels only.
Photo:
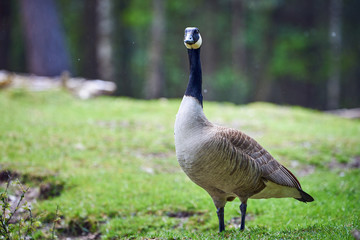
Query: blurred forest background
[{"x": 289, "y": 52}]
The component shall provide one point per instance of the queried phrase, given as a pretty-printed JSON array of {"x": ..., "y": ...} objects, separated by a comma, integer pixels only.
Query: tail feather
[{"x": 304, "y": 197}]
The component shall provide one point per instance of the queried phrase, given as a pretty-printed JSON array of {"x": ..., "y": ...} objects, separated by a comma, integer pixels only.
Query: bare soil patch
[
  {"x": 183, "y": 214},
  {"x": 354, "y": 163}
]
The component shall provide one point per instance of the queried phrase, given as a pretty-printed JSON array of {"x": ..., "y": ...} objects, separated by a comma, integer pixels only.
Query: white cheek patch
[
  {"x": 188, "y": 46},
  {"x": 195, "y": 45}
]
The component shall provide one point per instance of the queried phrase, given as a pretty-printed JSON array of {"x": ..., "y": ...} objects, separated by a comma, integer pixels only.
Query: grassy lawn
[{"x": 111, "y": 163}]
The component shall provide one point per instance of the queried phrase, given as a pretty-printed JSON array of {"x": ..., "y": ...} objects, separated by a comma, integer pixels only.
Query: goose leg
[
  {"x": 220, "y": 213},
  {"x": 243, "y": 213}
]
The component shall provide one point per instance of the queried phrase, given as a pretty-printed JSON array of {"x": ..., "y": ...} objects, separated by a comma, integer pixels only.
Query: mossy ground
[{"x": 116, "y": 160}]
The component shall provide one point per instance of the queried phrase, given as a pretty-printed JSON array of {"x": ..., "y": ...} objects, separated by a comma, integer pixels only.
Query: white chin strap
[{"x": 195, "y": 45}]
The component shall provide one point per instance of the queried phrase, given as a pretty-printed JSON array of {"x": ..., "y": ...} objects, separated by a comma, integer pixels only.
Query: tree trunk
[
  {"x": 333, "y": 85},
  {"x": 210, "y": 50},
  {"x": 238, "y": 39},
  {"x": 89, "y": 63},
  {"x": 155, "y": 79},
  {"x": 104, "y": 40},
  {"x": 124, "y": 51},
  {"x": 238, "y": 52},
  {"x": 5, "y": 27},
  {"x": 47, "y": 53},
  {"x": 263, "y": 56}
]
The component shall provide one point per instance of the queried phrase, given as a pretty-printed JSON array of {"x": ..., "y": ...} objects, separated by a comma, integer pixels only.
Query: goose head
[{"x": 192, "y": 38}]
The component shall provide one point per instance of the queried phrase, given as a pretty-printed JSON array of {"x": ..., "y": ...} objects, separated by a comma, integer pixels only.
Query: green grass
[{"x": 116, "y": 157}]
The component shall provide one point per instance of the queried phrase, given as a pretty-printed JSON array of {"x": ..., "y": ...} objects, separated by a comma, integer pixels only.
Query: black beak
[{"x": 188, "y": 39}]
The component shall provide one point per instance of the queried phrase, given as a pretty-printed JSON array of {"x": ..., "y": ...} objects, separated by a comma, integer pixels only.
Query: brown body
[{"x": 226, "y": 162}]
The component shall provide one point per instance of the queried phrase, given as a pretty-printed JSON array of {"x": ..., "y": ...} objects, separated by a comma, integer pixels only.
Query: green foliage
[
  {"x": 25, "y": 226},
  {"x": 230, "y": 86},
  {"x": 74, "y": 31},
  {"x": 122, "y": 180},
  {"x": 138, "y": 14},
  {"x": 289, "y": 58}
]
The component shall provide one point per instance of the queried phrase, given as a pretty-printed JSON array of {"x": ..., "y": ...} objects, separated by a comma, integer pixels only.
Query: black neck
[{"x": 195, "y": 80}]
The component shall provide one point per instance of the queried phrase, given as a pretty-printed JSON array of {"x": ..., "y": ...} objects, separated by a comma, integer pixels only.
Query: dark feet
[
  {"x": 220, "y": 213},
  {"x": 243, "y": 213}
]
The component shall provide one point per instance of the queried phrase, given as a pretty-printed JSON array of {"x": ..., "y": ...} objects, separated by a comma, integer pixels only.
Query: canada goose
[{"x": 225, "y": 162}]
